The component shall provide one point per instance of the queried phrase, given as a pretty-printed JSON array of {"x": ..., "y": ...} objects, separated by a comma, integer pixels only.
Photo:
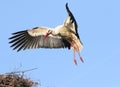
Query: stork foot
[
  {"x": 75, "y": 61},
  {"x": 81, "y": 59}
]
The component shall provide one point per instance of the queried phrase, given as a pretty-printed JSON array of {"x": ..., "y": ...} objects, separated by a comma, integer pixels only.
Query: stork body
[
  {"x": 65, "y": 33},
  {"x": 69, "y": 35},
  {"x": 63, "y": 36}
]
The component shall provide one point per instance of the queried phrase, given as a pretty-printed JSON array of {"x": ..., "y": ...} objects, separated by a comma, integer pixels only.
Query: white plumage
[{"x": 63, "y": 36}]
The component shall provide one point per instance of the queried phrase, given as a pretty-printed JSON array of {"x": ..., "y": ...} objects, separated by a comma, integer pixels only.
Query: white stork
[{"x": 62, "y": 36}]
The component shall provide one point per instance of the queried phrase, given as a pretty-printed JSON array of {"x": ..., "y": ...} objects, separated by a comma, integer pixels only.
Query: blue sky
[{"x": 99, "y": 29}]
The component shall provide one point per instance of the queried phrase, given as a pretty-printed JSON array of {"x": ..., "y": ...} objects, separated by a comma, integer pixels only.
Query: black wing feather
[
  {"x": 72, "y": 19},
  {"x": 22, "y": 41}
]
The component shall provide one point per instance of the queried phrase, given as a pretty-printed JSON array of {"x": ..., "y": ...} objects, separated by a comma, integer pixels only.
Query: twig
[{"x": 22, "y": 71}]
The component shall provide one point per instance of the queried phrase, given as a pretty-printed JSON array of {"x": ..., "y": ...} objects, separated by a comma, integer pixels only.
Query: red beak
[{"x": 46, "y": 35}]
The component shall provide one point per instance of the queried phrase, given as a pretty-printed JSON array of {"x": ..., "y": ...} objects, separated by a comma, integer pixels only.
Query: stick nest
[{"x": 16, "y": 80}]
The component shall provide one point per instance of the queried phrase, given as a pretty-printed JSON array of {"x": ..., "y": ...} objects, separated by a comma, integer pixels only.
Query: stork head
[{"x": 47, "y": 34}]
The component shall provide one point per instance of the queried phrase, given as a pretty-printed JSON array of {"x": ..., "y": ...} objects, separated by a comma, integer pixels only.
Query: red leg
[
  {"x": 74, "y": 49},
  {"x": 80, "y": 57},
  {"x": 76, "y": 46},
  {"x": 75, "y": 61},
  {"x": 72, "y": 43}
]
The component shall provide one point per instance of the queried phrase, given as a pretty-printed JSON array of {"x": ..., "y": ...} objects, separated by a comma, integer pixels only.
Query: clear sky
[{"x": 99, "y": 29}]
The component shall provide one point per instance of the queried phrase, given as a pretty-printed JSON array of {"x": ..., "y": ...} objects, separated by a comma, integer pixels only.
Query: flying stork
[{"x": 62, "y": 36}]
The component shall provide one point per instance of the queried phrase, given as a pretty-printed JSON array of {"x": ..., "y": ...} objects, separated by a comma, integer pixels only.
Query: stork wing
[
  {"x": 70, "y": 22},
  {"x": 34, "y": 38}
]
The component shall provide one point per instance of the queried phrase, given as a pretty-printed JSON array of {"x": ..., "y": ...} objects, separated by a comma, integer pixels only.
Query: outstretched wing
[
  {"x": 70, "y": 22},
  {"x": 29, "y": 39}
]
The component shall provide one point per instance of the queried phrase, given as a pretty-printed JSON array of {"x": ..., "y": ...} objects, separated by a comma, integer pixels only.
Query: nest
[{"x": 16, "y": 80}]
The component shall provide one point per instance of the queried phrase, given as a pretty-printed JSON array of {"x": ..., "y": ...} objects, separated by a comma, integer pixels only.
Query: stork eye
[{"x": 49, "y": 31}]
